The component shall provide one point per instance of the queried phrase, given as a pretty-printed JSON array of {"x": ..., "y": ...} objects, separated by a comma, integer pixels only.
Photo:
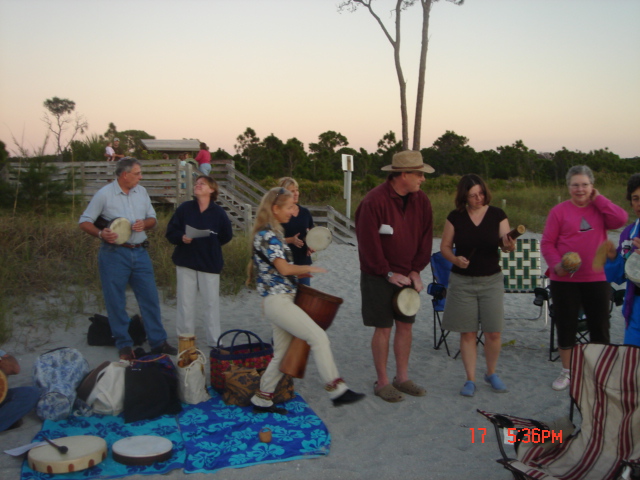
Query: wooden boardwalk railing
[{"x": 170, "y": 181}]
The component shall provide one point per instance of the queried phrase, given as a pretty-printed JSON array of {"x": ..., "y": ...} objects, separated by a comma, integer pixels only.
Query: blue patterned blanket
[{"x": 206, "y": 437}]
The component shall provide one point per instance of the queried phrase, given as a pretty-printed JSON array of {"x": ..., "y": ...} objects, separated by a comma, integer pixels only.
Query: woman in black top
[
  {"x": 476, "y": 286},
  {"x": 295, "y": 231}
]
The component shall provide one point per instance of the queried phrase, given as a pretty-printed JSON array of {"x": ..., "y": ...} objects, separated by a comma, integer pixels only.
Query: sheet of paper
[
  {"x": 195, "y": 233},
  {"x": 16, "y": 452}
]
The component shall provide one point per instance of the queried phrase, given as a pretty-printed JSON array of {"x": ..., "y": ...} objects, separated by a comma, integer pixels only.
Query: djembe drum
[{"x": 322, "y": 308}]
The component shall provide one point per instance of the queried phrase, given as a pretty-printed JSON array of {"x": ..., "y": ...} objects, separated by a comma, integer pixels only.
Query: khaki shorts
[
  {"x": 473, "y": 302},
  {"x": 377, "y": 302}
]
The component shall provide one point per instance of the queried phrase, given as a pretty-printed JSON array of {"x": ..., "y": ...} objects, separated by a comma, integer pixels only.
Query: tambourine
[
  {"x": 120, "y": 225},
  {"x": 318, "y": 238},
  {"x": 406, "y": 302},
  {"x": 632, "y": 268},
  {"x": 142, "y": 450},
  {"x": 571, "y": 262},
  {"x": 84, "y": 451},
  {"x": 4, "y": 386}
]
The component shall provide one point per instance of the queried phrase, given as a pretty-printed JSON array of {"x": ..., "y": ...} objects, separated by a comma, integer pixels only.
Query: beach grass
[{"x": 49, "y": 254}]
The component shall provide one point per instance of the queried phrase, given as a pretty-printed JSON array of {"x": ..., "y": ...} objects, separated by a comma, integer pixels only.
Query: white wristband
[{"x": 100, "y": 234}]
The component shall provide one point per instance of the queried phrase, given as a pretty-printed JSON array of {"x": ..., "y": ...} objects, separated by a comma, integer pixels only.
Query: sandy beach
[{"x": 421, "y": 438}]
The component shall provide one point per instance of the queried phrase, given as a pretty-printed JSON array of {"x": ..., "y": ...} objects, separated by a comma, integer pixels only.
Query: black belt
[{"x": 144, "y": 244}]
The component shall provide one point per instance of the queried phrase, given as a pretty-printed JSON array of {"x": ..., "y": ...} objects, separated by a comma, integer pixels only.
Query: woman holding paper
[{"x": 198, "y": 259}]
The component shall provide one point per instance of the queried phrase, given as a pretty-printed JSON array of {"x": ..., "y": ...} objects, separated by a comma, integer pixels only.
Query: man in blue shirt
[{"x": 129, "y": 262}]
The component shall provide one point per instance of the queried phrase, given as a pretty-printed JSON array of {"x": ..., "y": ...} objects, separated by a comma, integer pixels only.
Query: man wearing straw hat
[
  {"x": 128, "y": 262},
  {"x": 394, "y": 227}
]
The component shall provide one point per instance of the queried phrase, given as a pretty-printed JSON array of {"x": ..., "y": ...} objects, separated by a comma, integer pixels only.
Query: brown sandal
[
  {"x": 388, "y": 393},
  {"x": 410, "y": 388}
]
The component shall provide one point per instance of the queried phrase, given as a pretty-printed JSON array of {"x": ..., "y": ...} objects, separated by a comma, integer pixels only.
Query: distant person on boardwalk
[
  {"x": 394, "y": 227},
  {"x": 199, "y": 260},
  {"x": 204, "y": 159},
  {"x": 128, "y": 263},
  {"x": 110, "y": 153},
  {"x": 295, "y": 230}
]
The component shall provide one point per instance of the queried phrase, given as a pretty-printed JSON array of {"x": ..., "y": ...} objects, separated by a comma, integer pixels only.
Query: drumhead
[
  {"x": 142, "y": 450},
  {"x": 122, "y": 227},
  {"x": 85, "y": 451},
  {"x": 407, "y": 302},
  {"x": 319, "y": 238},
  {"x": 632, "y": 268}
]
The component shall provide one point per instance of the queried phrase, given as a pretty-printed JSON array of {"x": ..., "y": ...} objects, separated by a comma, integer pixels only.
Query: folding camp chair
[
  {"x": 522, "y": 270},
  {"x": 441, "y": 271},
  {"x": 582, "y": 334},
  {"x": 605, "y": 387}
]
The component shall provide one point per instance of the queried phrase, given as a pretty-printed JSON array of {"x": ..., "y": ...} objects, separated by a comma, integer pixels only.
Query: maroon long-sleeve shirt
[{"x": 408, "y": 248}]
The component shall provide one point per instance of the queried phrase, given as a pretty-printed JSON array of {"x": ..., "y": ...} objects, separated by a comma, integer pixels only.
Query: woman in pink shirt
[
  {"x": 204, "y": 159},
  {"x": 579, "y": 225}
]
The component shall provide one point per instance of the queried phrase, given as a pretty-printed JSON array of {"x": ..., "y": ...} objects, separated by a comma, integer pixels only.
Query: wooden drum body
[
  {"x": 322, "y": 308},
  {"x": 85, "y": 451}
]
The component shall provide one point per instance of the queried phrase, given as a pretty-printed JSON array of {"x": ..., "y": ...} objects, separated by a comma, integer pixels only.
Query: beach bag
[
  {"x": 100, "y": 334},
  {"x": 255, "y": 353},
  {"x": 107, "y": 396},
  {"x": 150, "y": 388},
  {"x": 192, "y": 381},
  {"x": 58, "y": 373},
  {"x": 243, "y": 382}
]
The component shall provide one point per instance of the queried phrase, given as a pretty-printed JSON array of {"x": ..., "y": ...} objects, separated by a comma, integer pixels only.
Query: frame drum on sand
[
  {"x": 142, "y": 450},
  {"x": 84, "y": 451}
]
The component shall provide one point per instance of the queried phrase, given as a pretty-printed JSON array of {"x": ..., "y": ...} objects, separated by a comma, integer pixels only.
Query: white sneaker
[{"x": 563, "y": 380}]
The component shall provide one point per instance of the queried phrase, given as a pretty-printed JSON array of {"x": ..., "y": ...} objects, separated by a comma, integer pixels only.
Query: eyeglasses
[
  {"x": 575, "y": 186},
  {"x": 475, "y": 195}
]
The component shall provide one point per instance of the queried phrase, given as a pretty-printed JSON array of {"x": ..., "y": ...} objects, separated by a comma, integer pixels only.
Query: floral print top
[{"x": 272, "y": 246}]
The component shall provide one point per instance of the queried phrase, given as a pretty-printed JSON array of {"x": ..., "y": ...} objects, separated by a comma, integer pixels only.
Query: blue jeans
[
  {"x": 19, "y": 402},
  {"x": 205, "y": 168},
  {"x": 120, "y": 266}
]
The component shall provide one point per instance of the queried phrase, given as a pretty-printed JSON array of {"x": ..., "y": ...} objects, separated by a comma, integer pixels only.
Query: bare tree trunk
[
  {"x": 395, "y": 43},
  {"x": 401, "y": 81},
  {"x": 417, "y": 128}
]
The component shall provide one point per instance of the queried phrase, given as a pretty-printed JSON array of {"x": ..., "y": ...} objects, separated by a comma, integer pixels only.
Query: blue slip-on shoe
[
  {"x": 496, "y": 384},
  {"x": 469, "y": 389}
]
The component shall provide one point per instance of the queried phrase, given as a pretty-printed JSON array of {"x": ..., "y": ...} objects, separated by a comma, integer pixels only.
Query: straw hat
[{"x": 408, "y": 161}]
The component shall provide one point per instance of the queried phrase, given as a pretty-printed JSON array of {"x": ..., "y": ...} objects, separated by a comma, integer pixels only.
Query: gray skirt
[{"x": 473, "y": 302}]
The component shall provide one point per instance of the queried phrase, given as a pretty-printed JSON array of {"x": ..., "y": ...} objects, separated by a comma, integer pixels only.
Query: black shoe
[
  {"x": 347, "y": 397},
  {"x": 126, "y": 353},
  {"x": 271, "y": 409},
  {"x": 165, "y": 348}
]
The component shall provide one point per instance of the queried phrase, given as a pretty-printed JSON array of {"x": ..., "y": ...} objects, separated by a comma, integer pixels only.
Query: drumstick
[{"x": 61, "y": 448}]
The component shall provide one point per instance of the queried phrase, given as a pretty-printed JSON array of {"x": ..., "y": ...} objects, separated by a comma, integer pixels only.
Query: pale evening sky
[{"x": 553, "y": 73}]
